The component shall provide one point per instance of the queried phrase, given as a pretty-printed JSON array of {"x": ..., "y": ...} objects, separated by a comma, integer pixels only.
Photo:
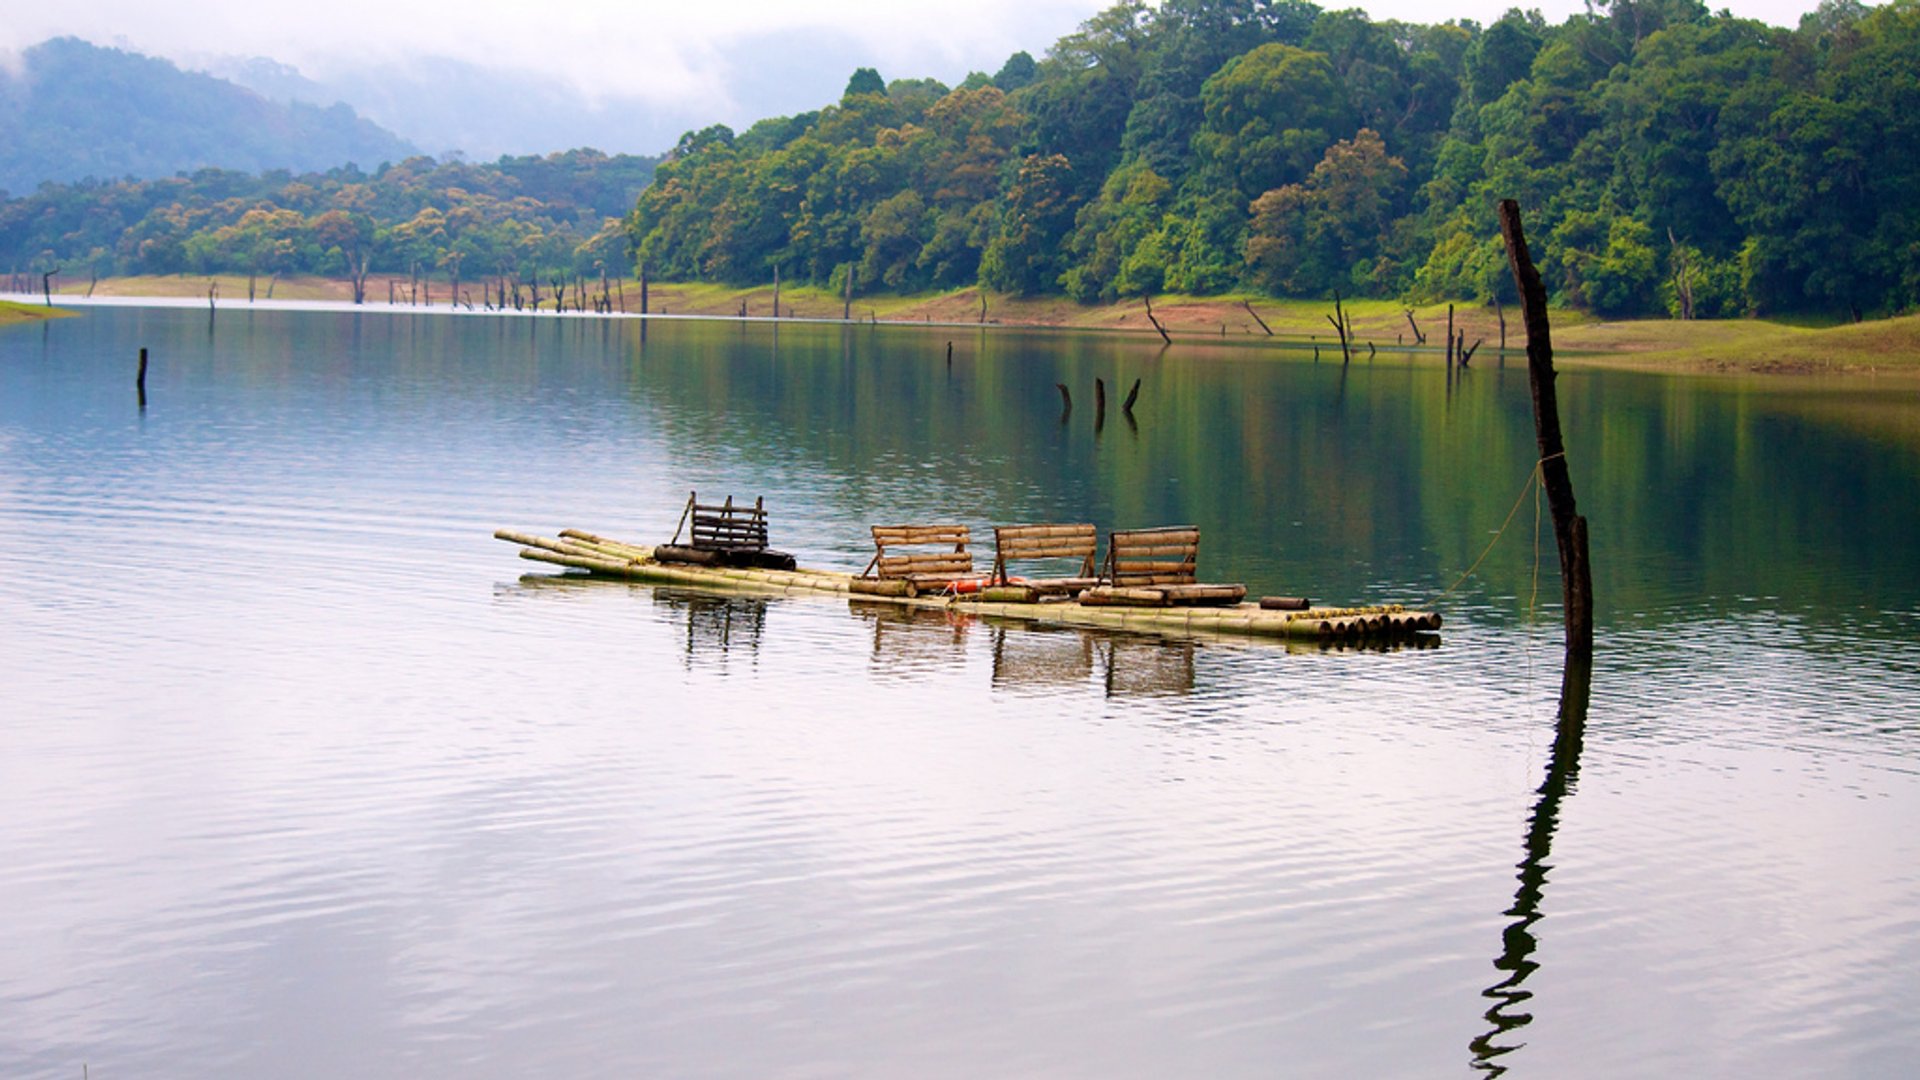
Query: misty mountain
[
  {"x": 442, "y": 105},
  {"x": 72, "y": 110}
]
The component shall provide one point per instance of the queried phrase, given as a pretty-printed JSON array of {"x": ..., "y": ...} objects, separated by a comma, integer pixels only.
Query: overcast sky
[{"x": 670, "y": 53}]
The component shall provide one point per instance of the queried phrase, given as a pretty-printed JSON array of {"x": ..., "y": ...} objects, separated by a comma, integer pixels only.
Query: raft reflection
[
  {"x": 910, "y": 640},
  {"x": 1129, "y": 666},
  {"x": 1517, "y": 941},
  {"x": 716, "y": 623}
]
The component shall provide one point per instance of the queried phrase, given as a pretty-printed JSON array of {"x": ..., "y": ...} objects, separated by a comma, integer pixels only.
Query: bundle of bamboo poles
[
  {"x": 584, "y": 551},
  {"x": 579, "y": 550}
]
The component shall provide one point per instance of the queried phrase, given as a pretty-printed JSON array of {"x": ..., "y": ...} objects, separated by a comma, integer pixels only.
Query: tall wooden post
[
  {"x": 776, "y": 292},
  {"x": 846, "y": 301},
  {"x": 643, "y": 289},
  {"x": 1569, "y": 528}
]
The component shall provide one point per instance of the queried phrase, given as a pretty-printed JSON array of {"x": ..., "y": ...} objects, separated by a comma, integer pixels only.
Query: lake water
[{"x": 303, "y": 774}]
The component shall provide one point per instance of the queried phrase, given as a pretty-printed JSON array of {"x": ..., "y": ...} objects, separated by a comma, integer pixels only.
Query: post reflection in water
[{"x": 1518, "y": 943}]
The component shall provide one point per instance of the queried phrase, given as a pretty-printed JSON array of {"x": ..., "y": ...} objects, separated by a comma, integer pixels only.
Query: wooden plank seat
[
  {"x": 1156, "y": 568},
  {"x": 729, "y": 534},
  {"x": 893, "y": 573},
  {"x": 1023, "y": 543}
]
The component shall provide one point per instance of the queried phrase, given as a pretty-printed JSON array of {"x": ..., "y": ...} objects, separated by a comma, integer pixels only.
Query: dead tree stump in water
[
  {"x": 1155, "y": 321},
  {"x": 1342, "y": 327},
  {"x": 1256, "y": 317},
  {"x": 1569, "y": 528}
]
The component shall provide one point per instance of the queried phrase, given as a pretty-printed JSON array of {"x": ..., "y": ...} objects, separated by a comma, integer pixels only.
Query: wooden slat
[
  {"x": 1171, "y": 534},
  {"x": 1005, "y": 533},
  {"x": 889, "y": 535},
  {"x": 759, "y": 534},
  {"x": 1046, "y": 549},
  {"x": 1122, "y": 551},
  {"x": 905, "y": 565},
  {"x": 1153, "y": 566}
]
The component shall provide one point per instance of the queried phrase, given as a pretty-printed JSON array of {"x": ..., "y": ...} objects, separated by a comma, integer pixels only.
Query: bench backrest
[
  {"x": 728, "y": 527},
  {"x": 954, "y": 561},
  {"x": 1164, "y": 556},
  {"x": 1015, "y": 542}
]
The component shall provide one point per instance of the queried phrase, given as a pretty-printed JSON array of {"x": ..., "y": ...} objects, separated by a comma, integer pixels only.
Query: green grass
[
  {"x": 1750, "y": 345},
  {"x": 11, "y": 313}
]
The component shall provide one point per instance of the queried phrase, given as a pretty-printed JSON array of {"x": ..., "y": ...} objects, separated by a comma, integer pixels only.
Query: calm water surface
[{"x": 302, "y": 774}]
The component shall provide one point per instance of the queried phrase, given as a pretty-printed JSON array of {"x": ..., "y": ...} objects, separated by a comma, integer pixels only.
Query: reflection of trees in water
[
  {"x": 717, "y": 625},
  {"x": 1518, "y": 943}
]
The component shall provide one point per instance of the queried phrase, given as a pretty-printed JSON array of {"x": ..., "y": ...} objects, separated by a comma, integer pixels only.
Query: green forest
[
  {"x": 1669, "y": 160},
  {"x": 518, "y": 217}
]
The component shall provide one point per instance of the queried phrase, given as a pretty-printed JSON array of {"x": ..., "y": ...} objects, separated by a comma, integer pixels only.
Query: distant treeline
[
  {"x": 519, "y": 217},
  {"x": 1667, "y": 159}
]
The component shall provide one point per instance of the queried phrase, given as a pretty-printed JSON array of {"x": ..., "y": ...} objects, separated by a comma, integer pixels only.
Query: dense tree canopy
[
  {"x": 518, "y": 217},
  {"x": 1667, "y": 159}
]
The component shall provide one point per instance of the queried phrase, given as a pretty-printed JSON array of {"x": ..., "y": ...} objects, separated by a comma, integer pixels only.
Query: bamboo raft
[{"x": 577, "y": 550}]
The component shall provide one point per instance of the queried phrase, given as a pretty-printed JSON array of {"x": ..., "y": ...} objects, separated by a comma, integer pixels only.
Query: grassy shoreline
[
  {"x": 12, "y": 313},
  {"x": 1734, "y": 346}
]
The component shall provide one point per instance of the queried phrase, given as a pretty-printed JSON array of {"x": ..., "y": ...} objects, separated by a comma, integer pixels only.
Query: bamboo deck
[{"x": 611, "y": 558}]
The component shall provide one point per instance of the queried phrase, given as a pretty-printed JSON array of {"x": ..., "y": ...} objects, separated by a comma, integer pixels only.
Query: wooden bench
[
  {"x": 915, "y": 572},
  {"x": 729, "y": 534},
  {"x": 1156, "y": 568},
  {"x": 1015, "y": 543}
]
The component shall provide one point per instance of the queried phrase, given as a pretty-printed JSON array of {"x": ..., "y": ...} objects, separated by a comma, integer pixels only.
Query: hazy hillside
[
  {"x": 75, "y": 110},
  {"x": 442, "y": 104}
]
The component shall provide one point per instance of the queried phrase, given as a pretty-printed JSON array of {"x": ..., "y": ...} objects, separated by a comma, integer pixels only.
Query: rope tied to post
[{"x": 1530, "y": 486}]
